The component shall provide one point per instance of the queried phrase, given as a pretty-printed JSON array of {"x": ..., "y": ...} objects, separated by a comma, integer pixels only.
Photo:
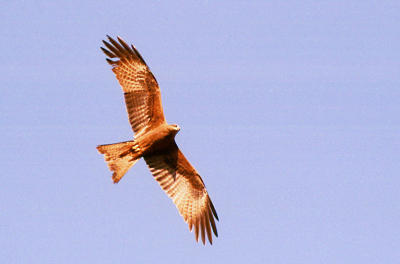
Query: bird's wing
[
  {"x": 141, "y": 90},
  {"x": 184, "y": 186}
]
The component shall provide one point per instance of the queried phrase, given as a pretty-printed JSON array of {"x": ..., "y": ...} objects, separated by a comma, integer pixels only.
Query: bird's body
[{"x": 155, "y": 141}]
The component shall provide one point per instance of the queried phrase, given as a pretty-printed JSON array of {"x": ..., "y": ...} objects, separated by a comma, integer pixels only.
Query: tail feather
[{"x": 120, "y": 157}]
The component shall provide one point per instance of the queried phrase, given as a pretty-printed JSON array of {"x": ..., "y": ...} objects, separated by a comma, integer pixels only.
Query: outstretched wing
[
  {"x": 184, "y": 186},
  {"x": 141, "y": 91}
]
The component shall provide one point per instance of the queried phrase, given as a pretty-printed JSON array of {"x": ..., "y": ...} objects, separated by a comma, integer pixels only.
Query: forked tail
[{"x": 120, "y": 157}]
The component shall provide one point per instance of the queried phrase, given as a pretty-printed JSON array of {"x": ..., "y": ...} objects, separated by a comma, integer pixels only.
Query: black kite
[{"x": 155, "y": 141}]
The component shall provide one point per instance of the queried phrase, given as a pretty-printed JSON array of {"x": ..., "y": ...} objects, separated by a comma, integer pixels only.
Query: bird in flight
[{"x": 155, "y": 141}]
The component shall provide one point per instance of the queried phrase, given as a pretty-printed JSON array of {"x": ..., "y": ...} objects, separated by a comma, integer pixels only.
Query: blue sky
[{"x": 290, "y": 111}]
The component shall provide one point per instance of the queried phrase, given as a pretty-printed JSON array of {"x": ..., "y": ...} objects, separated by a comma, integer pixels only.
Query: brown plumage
[{"x": 155, "y": 141}]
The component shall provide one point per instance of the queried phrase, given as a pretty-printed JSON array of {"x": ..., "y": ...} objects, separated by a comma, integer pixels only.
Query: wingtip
[
  {"x": 213, "y": 209},
  {"x": 111, "y": 62},
  {"x": 202, "y": 229},
  {"x": 108, "y": 53},
  {"x": 138, "y": 54},
  {"x": 207, "y": 226},
  {"x": 196, "y": 230}
]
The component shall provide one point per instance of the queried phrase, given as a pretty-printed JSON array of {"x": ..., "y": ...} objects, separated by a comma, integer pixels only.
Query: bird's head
[{"x": 175, "y": 128}]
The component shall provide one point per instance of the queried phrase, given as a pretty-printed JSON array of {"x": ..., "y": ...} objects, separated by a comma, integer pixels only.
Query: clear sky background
[{"x": 290, "y": 111}]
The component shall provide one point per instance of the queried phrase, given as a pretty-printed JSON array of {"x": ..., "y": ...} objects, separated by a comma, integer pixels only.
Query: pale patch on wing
[
  {"x": 141, "y": 91},
  {"x": 184, "y": 186},
  {"x": 139, "y": 112}
]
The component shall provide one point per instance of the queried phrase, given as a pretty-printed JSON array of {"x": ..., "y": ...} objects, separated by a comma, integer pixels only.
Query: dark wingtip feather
[
  {"x": 208, "y": 228},
  {"x": 109, "y": 38},
  {"x": 214, "y": 228},
  {"x": 108, "y": 53},
  {"x": 124, "y": 44},
  {"x": 104, "y": 42},
  {"x": 202, "y": 229},
  {"x": 196, "y": 229},
  {"x": 118, "y": 47},
  {"x": 138, "y": 54},
  {"x": 213, "y": 210},
  {"x": 112, "y": 48},
  {"x": 111, "y": 62}
]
